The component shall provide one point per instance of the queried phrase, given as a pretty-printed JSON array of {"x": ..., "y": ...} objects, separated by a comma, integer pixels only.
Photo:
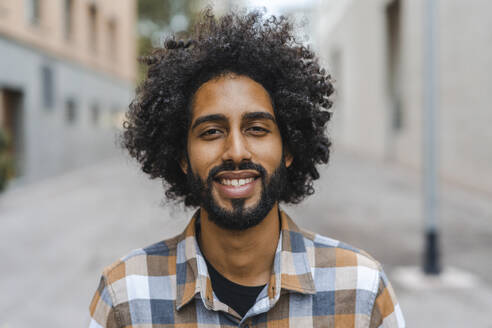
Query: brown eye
[
  {"x": 258, "y": 130},
  {"x": 210, "y": 133}
]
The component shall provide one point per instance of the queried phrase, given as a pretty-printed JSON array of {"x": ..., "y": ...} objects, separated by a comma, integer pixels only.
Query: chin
[
  {"x": 237, "y": 204},
  {"x": 237, "y": 216}
]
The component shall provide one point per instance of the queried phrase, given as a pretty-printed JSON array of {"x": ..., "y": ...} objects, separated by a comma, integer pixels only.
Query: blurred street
[{"x": 58, "y": 234}]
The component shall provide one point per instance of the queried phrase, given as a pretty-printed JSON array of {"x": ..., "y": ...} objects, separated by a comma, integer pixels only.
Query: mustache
[{"x": 230, "y": 166}]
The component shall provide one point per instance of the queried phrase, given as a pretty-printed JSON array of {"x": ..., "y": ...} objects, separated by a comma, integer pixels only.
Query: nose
[{"x": 236, "y": 148}]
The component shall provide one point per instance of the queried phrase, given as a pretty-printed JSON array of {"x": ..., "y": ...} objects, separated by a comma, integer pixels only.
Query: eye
[
  {"x": 258, "y": 130},
  {"x": 210, "y": 133}
]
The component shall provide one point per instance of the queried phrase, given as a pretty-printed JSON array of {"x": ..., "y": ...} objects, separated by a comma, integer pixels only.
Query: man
[{"x": 233, "y": 121}]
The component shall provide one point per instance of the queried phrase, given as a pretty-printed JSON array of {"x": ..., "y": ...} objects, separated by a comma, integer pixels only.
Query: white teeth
[{"x": 236, "y": 182}]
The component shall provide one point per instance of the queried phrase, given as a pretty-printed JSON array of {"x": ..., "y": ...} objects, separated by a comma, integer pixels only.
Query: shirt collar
[{"x": 291, "y": 268}]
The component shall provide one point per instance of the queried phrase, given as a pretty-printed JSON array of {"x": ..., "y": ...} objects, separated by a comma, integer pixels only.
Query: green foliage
[
  {"x": 154, "y": 19},
  {"x": 6, "y": 166},
  {"x": 156, "y": 11}
]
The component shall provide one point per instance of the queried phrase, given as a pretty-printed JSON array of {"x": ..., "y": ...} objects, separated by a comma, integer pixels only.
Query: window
[
  {"x": 12, "y": 113},
  {"x": 33, "y": 11},
  {"x": 93, "y": 28},
  {"x": 70, "y": 111},
  {"x": 68, "y": 19},
  {"x": 95, "y": 113},
  {"x": 47, "y": 87},
  {"x": 113, "y": 40},
  {"x": 394, "y": 62}
]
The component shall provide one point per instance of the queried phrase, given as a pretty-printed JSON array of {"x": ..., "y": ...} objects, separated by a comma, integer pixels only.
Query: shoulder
[
  {"x": 326, "y": 252},
  {"x": 353, "y": 278},
  {"x": 338, "y": 267},
  {"x": 329, "y": 252},
  {"x": 141, "y": 261},
  {"x": 133, "y": 274}
]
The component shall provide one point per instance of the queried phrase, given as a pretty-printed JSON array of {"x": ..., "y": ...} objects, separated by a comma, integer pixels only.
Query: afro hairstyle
[{"x": 243, "y": 43}]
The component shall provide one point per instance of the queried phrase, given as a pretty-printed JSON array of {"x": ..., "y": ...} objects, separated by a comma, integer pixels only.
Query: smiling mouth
[
  {"x": 234, "y": 184},
  {"x": 236, "y": 179}
]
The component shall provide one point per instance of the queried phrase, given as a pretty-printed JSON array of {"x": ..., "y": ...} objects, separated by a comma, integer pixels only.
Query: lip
[
  {"x": 237, "y": 175},
  {"x": 228, "y": 191}
]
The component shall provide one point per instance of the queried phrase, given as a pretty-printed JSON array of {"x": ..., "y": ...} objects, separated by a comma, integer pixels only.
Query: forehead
[{"x": 230, "y": 95}]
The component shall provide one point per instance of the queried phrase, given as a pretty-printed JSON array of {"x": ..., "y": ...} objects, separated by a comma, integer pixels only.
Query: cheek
[
  {"x": 269, "y": 155},
  {"x": 273, "y": 155},
  {"x": 201, "y": 158}
]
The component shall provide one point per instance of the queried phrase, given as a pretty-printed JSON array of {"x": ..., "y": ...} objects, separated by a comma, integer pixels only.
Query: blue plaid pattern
[{"x": 316, "y": 282}]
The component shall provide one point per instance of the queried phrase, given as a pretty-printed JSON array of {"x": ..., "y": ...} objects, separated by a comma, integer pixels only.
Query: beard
[{"x": 239, "y": 218}]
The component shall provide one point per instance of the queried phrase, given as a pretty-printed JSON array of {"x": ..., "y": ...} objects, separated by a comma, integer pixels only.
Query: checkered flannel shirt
[{"x": 316, "y": 282}]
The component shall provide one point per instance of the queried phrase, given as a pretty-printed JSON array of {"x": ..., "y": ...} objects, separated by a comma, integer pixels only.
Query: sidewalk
[{"x": 57, "y": 236}]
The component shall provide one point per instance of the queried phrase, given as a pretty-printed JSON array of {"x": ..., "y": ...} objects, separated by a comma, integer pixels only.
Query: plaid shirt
[{"x": 316, "y": 282}]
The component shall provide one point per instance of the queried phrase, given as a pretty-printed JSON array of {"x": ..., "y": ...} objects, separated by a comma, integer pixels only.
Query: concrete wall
[
  {"x": 354, "y": 44},
  {"x": 50, "y": 144},
  {"x": 91, "y": 64}
]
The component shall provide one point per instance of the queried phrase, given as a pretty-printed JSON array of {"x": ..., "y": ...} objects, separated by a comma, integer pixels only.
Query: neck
[{"x": 244, "y": 257}]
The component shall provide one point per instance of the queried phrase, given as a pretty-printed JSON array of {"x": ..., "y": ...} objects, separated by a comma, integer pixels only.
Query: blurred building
[
  {"x": 375, "y": 50},
  {"x": 67, "y": 72}
]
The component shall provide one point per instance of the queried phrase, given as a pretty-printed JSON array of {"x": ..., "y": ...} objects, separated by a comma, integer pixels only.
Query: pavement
[{"x": 57, "y": 235}]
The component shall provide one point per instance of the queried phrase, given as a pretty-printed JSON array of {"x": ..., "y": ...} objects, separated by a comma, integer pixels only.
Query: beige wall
[
  {"x": 362, "y": 120},
  {"x": 466, "y": 84},
  {"x": 360, "y": 101},
  {"x": 49, "y": 34}
]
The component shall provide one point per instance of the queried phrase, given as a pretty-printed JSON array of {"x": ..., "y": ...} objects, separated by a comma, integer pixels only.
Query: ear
[
  {"x": 288, "y": 158},
  {"x": 183, "y": 163}
]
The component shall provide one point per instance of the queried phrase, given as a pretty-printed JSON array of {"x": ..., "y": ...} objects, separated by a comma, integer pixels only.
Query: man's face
[{"x": 235, "y": 157}]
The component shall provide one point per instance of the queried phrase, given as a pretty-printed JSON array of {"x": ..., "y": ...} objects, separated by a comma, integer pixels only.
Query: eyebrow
[
  {"x": 208, "y": 118},
  {"x": 221, "y": 118},
  {"x": 258, "y": 115}
]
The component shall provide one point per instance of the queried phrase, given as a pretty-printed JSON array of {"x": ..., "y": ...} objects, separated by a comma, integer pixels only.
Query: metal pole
[{"x": 431, "y": 263}]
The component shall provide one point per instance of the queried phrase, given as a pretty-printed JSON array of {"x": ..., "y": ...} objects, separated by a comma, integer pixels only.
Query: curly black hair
[{"x": 242, "y": 43}]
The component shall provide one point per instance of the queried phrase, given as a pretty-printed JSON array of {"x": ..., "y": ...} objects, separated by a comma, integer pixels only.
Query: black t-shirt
[{"x": 240, "y": 298}]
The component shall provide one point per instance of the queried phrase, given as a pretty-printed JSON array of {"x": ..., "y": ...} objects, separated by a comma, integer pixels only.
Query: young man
[{"x": 234, "y": 122}]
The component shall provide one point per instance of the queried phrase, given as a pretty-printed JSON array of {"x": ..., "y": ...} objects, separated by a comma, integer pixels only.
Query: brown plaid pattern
[{"x": 316, "y": 282}]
